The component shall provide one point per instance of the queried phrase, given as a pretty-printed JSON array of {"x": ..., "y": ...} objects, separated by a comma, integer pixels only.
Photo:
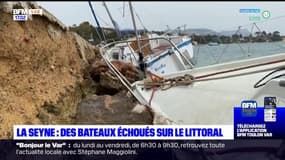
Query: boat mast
[
  {"x": 135, "y": 28},
  {"x": 101, "y": 35},
  {"x": 113, "y": 22}
]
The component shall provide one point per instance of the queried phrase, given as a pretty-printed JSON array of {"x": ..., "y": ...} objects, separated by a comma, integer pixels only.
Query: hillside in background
[{"x": 89, "y": 33}]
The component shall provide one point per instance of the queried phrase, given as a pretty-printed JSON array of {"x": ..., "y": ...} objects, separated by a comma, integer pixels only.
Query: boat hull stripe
[{"x": 167, "y": 53}]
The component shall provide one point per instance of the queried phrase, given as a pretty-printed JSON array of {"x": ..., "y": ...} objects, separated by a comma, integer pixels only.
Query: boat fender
[{"x": 282, "y": 83}]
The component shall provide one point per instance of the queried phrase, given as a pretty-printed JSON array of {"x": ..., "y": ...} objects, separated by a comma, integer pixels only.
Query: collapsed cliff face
[
  {"x": 39, "y": 64},
  {"x": 44, "y": 73}
]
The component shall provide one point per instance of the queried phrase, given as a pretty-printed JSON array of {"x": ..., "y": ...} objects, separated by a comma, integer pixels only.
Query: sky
[{"x": 218, "y": 16}]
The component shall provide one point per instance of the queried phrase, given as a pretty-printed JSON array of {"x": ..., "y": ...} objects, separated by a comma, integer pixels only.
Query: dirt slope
[
  {"x": 46, "y": 71},
  {"x": 39, "y": 63}
]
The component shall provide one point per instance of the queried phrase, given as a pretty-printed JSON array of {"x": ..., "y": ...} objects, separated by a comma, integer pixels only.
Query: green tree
[{"x": 88, "y": 31}]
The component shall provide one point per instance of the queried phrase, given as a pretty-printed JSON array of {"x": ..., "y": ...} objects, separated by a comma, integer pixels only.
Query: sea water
[{"x": 205, "y": 55}]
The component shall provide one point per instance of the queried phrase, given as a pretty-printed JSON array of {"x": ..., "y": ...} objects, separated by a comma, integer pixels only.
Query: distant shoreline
[{"x": 238, "y": 43}]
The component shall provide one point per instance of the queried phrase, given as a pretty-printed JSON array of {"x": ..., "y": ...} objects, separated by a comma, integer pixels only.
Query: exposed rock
[
  {"x": 104, "y": 76},
  {"x": 117, "y": 109}
]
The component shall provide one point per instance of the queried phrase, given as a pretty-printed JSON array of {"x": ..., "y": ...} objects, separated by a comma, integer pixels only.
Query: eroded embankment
[{"x": 45, "y": 74}]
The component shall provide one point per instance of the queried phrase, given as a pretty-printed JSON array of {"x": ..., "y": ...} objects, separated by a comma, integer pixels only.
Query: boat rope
[
  {"x": 124, "y": 9},
  {"x": 145, "y": 29},
  {"x": 237, "y": 33},
  {"x": 222, "y": 54},
  {"x": 156, "y": 82},
  {"x": 102, "y": 20},
  {"x": 153, "y": 88},
  {"x": 258, "y": 22},
  {"x": 165, "y": 84},
  {"x": 202, "y": 38},
  {"x": 172, "y": 30},
  {"x": 151, "y": 96},
  {"x": 246, "y": 53},
  {"x": 254, "y": 25}
]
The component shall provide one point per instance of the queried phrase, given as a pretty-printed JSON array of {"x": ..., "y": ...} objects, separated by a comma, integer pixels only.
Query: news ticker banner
[
  {"x": 123, "y": 132},
  {"x": 250, "y": 121}
]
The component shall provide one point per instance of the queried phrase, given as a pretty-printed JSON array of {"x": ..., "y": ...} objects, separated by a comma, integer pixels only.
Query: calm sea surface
[{"x": 207, "y": 55}]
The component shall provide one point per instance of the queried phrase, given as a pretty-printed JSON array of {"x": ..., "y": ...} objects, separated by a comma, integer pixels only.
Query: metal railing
[{"x": 121, "y": 77}]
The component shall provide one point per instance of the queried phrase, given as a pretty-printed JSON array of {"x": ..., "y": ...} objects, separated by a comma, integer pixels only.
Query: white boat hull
[
  {"x": 163, "y": 58},
  {"x": 212, "y": 101},
  {"x": 168, "y": 62}
]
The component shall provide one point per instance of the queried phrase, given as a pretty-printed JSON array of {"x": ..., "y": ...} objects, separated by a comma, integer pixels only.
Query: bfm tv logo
[
  {"x": 249, "y": 108},
  {"x": 22, "y": 14}
]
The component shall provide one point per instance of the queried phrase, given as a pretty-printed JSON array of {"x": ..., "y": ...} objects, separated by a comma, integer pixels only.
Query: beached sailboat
[{"x": 161, "y": 54}]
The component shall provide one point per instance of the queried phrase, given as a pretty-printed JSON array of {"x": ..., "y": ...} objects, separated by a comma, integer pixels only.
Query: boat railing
[{"x": 120, "y": 76}]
